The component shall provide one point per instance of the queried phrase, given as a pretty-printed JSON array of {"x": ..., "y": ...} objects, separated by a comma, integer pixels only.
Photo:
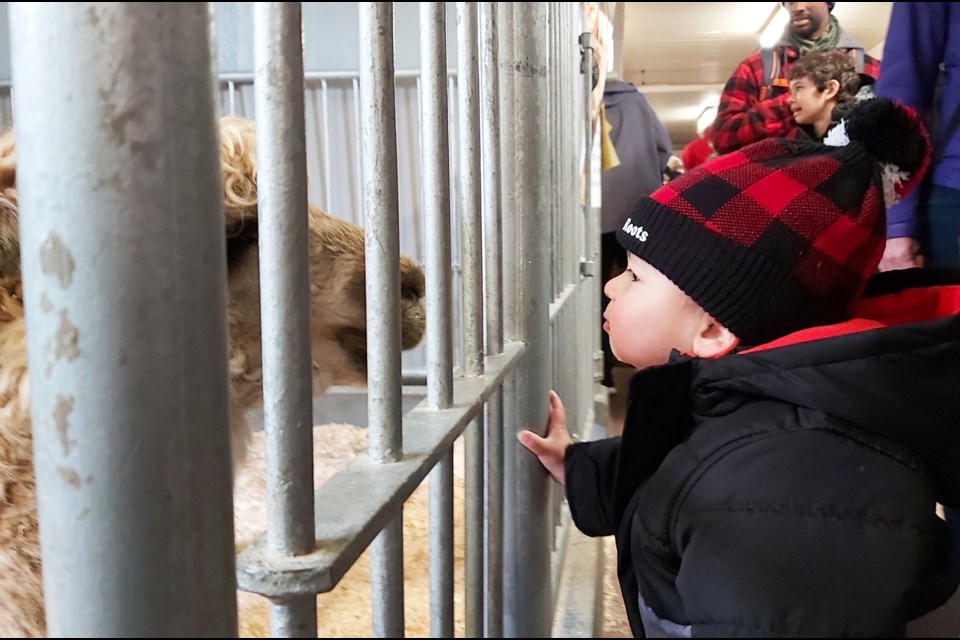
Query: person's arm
[
  {"x": 590, "y": 472},
  {"x": 587, "y": 470},
  {"x": 912, "y": 53},
  {"x": 902, "y": 250},
  {"x": 742, "y": 118}
]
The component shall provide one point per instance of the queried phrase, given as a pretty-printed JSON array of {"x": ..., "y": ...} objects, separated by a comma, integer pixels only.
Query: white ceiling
[{"x": 680, "y": 54}]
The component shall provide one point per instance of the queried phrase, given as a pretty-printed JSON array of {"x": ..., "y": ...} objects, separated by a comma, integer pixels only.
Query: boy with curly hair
[{"x": 823, "y": 88}]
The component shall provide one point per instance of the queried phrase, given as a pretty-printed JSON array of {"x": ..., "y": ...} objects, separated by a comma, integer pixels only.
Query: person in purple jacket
[{"x": 921, "y": 68}]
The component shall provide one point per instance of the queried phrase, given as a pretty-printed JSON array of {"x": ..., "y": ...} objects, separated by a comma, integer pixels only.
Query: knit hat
[{"x": 783, "y": 234}]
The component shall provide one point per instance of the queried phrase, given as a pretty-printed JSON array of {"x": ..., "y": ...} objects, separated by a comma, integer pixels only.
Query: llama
[{"x": 338, "y": 336}]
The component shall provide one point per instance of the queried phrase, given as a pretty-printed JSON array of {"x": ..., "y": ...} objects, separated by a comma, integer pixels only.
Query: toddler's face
[{"x": 648, "y": 316}]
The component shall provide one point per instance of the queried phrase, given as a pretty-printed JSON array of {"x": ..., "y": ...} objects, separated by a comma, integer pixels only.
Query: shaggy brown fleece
[{"x": 338, "y": 331}]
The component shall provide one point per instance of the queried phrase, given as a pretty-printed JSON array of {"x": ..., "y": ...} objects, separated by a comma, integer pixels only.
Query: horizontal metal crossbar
[
  {"x": 357, "y": 502},
  {"x": 565, "y": 296}
]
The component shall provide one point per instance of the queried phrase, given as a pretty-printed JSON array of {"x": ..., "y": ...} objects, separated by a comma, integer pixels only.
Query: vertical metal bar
[
  {"x": 509, "y": 396},
  {"x": 232, "y": 97},
  {"x": 435, "y": 163},
  {"x": 435, "y": 160},
  {"x": 563, "y": 134},
  {"x": 586, "y": 70},
  {"x": 468, "y": 97},
  {"x": 566, "y": 133},
  {"x": 386, "y": 572},
  {"x": 493, "y": 313},
  {"x": 556, "y": 253},
  {"x": 441, "y": 548},
  {"x": 325, "y": 141},
  {"x": 285, "y": 295},
  {"x": 379, "y": 153},
  {"x": 527, "y": 604},
  {"x": 570, "y": 125},
  {"x": 129, "y": 409},
  {"x": 573, "y": 143},
  {"x": 474, "y": 552},
  {"x": 589, "y": 294},
  {"x": 214, "y": 63},
  {"x": 493, "y": 528},
  {"x": 379, "y": 149},
  {"x": 490, "y": 133},
  {"x": 590, "y": 260},
  {"x": 509, "y": 222},
  {"x": 358, "y": 157}
]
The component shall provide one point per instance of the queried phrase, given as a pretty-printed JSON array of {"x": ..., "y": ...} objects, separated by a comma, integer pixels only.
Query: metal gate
[{"x": 105, "y": 95}]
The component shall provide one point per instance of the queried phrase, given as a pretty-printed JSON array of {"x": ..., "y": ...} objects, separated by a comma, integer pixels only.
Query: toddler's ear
[{"x": 714, "y": 340}]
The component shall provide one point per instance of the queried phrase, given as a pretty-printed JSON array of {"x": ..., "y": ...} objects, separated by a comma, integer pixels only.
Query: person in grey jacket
[{"x": 643, "y": 147}]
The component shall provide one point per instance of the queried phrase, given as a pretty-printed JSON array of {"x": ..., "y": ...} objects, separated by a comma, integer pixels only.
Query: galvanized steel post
[
  {"x": 471, "y": 260},
  {"x": 527, "y": 594},
  {"x": 285, "y": 298},
  {"x": 435, "y": 162},
  {"x": 493, "y": 313},
  {"x": 510, "y": 249},
  {"x": 510, "y": 260},
  {"x": 382, "y": 229},
  {"x": 124, "y": 267},
  {"x": 590, "y": 261},
  {"x": 468, "y": 98},
  {"x": 587, "y": 262}
]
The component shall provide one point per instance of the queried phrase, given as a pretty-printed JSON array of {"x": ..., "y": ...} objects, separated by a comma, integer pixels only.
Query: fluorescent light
[
  {"x": 708, "y": 115},
  {"x": 774, "y": 29}
]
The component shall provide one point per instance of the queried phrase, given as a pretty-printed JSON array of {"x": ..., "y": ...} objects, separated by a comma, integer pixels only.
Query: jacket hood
[
  {"x": 893, "y": 370},
  {"x": 614, "y": 90}
]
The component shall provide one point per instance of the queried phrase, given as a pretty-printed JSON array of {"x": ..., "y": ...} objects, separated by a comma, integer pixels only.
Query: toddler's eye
[{"x": 633, "y": 276}]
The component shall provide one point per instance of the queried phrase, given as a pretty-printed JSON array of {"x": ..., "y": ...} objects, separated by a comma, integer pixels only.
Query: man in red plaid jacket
[{"x": 753, "y": 105}]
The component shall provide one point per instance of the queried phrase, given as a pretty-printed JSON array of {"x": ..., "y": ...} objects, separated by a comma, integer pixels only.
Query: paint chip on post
[{"x": 55, "y": 260}]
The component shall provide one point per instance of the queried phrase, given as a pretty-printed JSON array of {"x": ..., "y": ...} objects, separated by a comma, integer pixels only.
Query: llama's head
[
  {"x": 337, "y": 281},
  {"x": 337, "y": 270}
]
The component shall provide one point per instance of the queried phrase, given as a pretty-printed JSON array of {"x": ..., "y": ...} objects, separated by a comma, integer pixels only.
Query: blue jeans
[
  {"x": 940, "y": 245},
  {"x": 940, "y": 227}
]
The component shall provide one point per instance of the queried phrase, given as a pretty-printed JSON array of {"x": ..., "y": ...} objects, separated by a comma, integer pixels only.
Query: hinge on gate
[
  {"x": 586, "y": 52},
  {"x": 587, "y": 268}
]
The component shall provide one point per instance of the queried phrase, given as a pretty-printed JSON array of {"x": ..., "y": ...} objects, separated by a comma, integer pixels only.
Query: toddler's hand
[{"x": 550, "y": 450}]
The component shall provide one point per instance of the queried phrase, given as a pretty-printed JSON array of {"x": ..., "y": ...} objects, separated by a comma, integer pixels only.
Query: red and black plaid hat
[{"x": 783, "y": 234}]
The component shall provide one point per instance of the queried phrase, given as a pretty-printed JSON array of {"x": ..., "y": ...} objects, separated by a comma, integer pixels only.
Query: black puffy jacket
[{"x": 790, "y": 490}]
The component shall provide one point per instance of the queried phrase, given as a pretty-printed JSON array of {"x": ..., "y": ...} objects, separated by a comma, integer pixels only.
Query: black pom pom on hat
[{"x": 893, "y": 135}]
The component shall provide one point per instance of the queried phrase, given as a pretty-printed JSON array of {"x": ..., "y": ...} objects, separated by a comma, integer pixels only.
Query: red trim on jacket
[{"x": 904, "y": 307}]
